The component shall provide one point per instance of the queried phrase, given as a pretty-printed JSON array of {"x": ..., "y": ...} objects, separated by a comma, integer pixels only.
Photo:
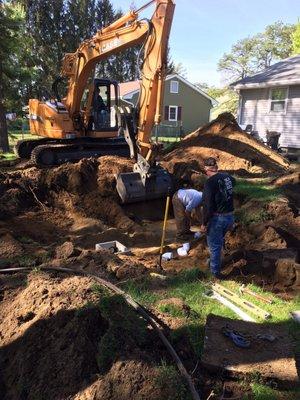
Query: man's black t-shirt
[{"x": 217, "y": 195}]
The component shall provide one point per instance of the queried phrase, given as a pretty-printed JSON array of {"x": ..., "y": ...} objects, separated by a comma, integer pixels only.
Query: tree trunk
[
  {"x": 4, "y": 147},
  {"x": 3, "y": 129}
]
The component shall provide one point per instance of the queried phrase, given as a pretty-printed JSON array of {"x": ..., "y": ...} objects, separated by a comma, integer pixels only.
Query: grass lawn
[
  {"x": 261, "y": 193},
  {"x": 167, "y": 139},
  {"x": 256, "y": 190},
  {"x": 13, "y": 138},
  {"x": 191, "y": 286}
]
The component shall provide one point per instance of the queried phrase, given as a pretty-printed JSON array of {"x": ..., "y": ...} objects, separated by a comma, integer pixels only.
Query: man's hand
[{"x": 203, "y": 229}]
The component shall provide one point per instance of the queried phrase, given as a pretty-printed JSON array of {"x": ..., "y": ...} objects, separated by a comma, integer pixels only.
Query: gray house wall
[
  {"x": 195, "y": 108},
  {"x": 255, "y": 110}
]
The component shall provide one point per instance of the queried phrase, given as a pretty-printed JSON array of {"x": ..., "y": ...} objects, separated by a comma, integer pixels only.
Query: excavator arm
[
  {"x": 73, "y": 128},
  {"x": 126, "y": 32}
]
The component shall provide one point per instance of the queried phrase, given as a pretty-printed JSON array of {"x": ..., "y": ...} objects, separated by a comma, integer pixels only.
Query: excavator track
[
  {"x": 52, "y": 154},
  {"x": 23, "y": 148}
]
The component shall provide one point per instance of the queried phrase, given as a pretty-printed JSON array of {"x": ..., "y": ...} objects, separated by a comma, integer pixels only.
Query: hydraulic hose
[{"x": 133, "y": 304}]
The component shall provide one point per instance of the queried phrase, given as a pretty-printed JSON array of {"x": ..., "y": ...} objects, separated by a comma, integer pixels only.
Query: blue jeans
[{"x": 217, "y": 228}]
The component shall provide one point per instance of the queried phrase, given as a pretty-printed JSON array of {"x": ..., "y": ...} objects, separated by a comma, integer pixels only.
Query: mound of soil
[
  {"x": 234, "y": 149},
  {"x": 53, "y": 337},
  {"x": 9, "y": 246},
  {"x": 290, "y": 184},
  {"x": 86, "y": 188}
]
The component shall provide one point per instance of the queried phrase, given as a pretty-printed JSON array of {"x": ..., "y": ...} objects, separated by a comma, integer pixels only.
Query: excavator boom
[{"x": 72, "y": 130}]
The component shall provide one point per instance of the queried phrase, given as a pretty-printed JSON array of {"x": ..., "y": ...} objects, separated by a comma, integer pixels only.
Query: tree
[
  {"x": 170, "y": 63},
  {"x": 180, "y": 70},
  {"x": 60, "y": 26},
  {"x": 296, "y": 39},
  {"x": 10, "y": 23},
  {"x": 227, "y": 99},
  {"x": 274, "y": 44},
  {"x": 48, "y": 26},
  {"x": 254, "y": 54},
  {"x": 238, "y": 63}
]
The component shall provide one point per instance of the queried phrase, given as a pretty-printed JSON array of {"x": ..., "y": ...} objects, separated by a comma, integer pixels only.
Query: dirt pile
[
  {"x": 9, "y": 246},
  {"x": 257, "y": 251},
  {"x": 101, "y": 263},
  {"x": 67, "y": 211},
  {"x": 234, "y": 149},
  {"x": 290, "y": 184},
  {"x": 60, "y": 339},
  {"x": 87, "y": 188}
]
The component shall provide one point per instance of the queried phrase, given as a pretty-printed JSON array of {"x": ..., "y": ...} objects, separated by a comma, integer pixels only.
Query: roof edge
[
  {"x": 172, "y": 76},
  {"x": 213, "y": 101},
  {"x": 286, "y": 82}
]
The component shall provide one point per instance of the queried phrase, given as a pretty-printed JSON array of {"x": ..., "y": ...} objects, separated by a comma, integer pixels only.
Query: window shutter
[
  {"x": 166, "y": 113},
  {"x": 179, "y": 117}
]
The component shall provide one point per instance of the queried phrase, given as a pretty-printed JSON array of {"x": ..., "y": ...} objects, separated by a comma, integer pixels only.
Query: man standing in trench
[
  {"x": 217, "y": 211},
  {"x": 185, "y": 202}
]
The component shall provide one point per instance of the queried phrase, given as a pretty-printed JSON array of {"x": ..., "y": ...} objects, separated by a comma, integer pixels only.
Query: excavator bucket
[{"x": 135, "y": 186}]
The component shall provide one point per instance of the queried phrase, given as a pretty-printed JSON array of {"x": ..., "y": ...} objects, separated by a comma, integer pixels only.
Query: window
[
  {"x": 174, "y": 86},
  {"x": 173, "y": 113},
  {"x": 278, "y": 99}
]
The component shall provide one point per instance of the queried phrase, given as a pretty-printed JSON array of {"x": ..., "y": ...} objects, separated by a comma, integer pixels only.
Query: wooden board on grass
[{"x": 268, "y": 360}]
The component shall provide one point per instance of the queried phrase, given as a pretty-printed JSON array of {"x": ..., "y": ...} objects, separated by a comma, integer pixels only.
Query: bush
[{"x": 18, "y": 124}]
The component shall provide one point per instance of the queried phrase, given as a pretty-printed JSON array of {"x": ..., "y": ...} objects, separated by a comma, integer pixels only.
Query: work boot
[
  {"x": 219, "y": 276},
  {"x": 216, "y": 276}
]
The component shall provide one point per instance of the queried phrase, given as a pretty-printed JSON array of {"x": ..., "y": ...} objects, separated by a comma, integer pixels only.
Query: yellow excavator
[{"x": 88, "y": 121}]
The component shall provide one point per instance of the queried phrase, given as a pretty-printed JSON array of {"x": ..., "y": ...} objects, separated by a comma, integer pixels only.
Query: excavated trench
[
  {"x": 54, "y": 217},
  {"x": 77, "y": 204}
]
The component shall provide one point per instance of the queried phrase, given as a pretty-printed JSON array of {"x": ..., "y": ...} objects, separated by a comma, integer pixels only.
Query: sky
[{"x": 203, "y": 30}]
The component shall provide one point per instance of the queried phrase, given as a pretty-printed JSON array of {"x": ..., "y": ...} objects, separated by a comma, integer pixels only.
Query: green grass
[
  {"x": 259, "y": 191},
  {"x": 256, "y": 190},
  {"x": 13, "y": 138},
  {"x": 9, "y": 156},
  {"x": 255, "y": 217},
  {"x": 262, "y": 392},
  {"x": 168, "y": 139},
  {"x": 122, "y": 318},
  {"x": 171, "y": 309},
  {"x": 141, "y": 292},
  {"x": 191, "y": 286},
  {"x": 171, "y": 383}
]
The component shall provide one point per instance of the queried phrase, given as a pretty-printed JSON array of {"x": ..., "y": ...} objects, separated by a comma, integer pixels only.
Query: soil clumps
[
  {"x": 234, "y": 149},
  {"x": 58, "y": 342},
  {"x": 54, "y": 217},
  {"x": 87, "y": 187}
]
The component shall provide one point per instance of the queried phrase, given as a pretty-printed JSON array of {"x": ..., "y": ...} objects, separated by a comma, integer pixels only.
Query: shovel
[{"x": 164, "y": 228}]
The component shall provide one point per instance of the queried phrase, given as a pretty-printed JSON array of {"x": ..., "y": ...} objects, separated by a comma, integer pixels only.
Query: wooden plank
[
  {"x": 241, "y": 302},
  {"x": 269, "y": 360}
]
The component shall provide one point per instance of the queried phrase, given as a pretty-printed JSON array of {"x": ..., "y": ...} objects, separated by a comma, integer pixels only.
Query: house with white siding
[{"x": 270, "y": 102}]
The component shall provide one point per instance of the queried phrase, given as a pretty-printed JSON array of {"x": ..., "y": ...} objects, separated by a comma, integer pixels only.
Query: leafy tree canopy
[
  {"x": 296, "y": 39},
  {"x": 256, "y": 53}
]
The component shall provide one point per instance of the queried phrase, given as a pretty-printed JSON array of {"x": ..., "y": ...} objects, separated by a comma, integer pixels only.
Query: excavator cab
[{"x": 99, "y": 108}]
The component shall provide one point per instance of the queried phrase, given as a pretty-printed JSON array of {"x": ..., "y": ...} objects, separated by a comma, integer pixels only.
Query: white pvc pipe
[{"x": 232, "y": 307}]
